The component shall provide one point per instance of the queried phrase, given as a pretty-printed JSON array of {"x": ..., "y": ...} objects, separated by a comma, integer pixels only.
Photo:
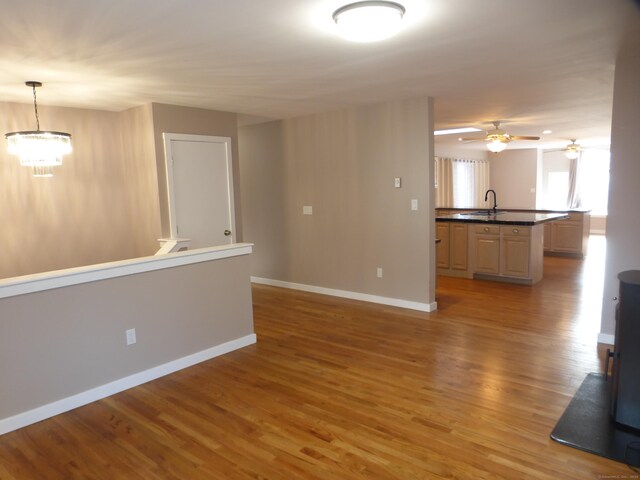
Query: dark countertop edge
[
  {"x": 499, "y": 222},
  {"x": 574, "y": 210}
]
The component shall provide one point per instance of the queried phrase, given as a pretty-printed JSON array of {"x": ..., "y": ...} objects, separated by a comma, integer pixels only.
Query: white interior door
[{"x": 200, "y": 187}]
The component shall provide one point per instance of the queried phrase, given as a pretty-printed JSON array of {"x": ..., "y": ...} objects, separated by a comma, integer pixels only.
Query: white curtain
[
  {"x": 574, "y": 199},
  {"x": 444, "y": 182},
  {"x": 461, "y": 182}
]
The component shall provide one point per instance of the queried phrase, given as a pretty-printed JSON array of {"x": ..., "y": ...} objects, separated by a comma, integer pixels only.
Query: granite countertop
[
  {"x": 503, "y": 218},
  {"x": 537, "y": 210}
]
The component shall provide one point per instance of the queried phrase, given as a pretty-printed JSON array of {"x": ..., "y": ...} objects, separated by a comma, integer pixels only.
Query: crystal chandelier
[{"x": 39, "y": 149}]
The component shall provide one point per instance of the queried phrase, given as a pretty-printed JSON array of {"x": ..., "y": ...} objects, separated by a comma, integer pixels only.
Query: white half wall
[{"x": 64, "y": 345}]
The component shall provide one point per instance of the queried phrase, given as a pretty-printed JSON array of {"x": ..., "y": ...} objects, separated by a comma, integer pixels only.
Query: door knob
[{"x": 227, "y": 233}]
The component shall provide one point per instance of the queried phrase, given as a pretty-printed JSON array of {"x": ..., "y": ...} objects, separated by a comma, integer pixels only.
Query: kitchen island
[{"x": 498, "y": 245}]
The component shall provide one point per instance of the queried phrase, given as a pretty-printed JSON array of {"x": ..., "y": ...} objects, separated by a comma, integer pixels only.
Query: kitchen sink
[{"x": 486, "y": 213}]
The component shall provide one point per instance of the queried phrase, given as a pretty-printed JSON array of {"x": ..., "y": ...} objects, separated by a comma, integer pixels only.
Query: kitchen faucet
[{"x": 495, "y": 199}]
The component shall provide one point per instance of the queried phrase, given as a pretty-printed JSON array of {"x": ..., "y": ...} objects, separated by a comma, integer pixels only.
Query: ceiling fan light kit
[
  {"x": 369, "y": 21},
  {"x": 37, "y": 148},
  {"x": 497, "y": 140},
  {"x": 496, "y": 145},
  {"x": 572, "y": 152}
]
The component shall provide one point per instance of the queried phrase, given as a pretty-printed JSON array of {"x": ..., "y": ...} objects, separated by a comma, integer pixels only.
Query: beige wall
[
  {"x": 513, "y": 174},
  {"x": 265, "y": 196},
  {"x": 195, "y": 121},
  {"x": 80, "y": 341},
  {"x": 108, "y": 200},
  {"x": 448, "y": 151},
  {"x": 99, "y": 206},
  {"x": 139, "y": 156},
  {"x": 623, "y": 227},
  {"x": 343, "y": 164}
]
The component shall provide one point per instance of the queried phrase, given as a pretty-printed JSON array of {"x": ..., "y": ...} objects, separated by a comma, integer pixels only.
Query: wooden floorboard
[{"x": 340, "y": 389}]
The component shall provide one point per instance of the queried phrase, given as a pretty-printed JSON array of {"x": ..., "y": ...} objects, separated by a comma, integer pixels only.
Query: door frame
[{"x": 168, "y": 163}]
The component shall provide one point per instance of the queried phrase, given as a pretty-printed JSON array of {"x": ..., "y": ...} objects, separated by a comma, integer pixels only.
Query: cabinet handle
[
  {"x": 515, "y": 230},
  {"x": 486, "y": 229}
]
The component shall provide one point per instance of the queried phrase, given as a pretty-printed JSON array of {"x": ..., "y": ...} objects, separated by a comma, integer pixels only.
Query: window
[
  {"x": 461, "y": 183},
  {"x": 557, "y": 189},
  {"x": 594, "y": 180}
]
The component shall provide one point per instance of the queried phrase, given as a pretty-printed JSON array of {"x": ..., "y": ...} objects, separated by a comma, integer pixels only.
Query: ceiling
[{"x": 535, "y": 65}]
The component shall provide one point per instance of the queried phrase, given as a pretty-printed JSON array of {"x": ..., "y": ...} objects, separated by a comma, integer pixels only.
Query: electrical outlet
[
  {"x": 131, "y": 336},
  {"x": 414, "y": 204},
  {"x": 397, "y": 182},
  {"x": 379, "y": 272}
]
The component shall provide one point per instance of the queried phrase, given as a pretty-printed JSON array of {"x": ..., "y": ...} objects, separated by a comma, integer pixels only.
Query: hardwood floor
[{"x": 339, "y": 389}]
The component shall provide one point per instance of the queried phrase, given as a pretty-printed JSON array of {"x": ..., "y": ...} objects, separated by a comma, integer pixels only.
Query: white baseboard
[
  {"x": 606, "y": 338},
  {"x": 365, "y": 297},
  {"x": 60, "y": 406}
]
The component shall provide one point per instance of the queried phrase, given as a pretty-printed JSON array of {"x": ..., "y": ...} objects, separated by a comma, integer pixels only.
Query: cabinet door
[
  {"x": 567, "y": 237},
  {"x": 548, "y": 227},
  {"x": 515, "y": 256},
  {"x": 458, "y": 246},
  {"x": 487, "y": 254},
  {"x": 442, "y": 248}
]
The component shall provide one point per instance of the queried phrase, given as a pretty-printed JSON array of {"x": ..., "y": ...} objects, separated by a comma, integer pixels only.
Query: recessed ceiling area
[{"x": 537, "y": 65}]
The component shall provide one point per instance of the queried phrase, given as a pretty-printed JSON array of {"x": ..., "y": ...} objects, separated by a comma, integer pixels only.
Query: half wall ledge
[
  {"x": 63, "y": 334},
  {"x": 37, "y": 282}
]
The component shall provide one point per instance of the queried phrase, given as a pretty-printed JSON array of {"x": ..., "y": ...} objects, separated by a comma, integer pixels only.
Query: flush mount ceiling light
[
  {"x": 39, "y": 149},
  {"x": 369, "y": 21}
]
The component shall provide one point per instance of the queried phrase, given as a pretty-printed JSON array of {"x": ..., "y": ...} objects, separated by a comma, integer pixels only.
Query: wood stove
[{"x": 625, "y": 376}]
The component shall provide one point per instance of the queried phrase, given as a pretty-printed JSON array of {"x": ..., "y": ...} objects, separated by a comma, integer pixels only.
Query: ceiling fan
[
  {"x": 498, "y": 139},
  {"x": 571, "y": 151}
]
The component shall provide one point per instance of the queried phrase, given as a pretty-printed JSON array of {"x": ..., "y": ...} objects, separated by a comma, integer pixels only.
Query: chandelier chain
[{"x": 35, "y": 107}]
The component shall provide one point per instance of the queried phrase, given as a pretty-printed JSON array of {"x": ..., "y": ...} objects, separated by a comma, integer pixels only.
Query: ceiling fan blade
[{"x": 523, "y": 137}]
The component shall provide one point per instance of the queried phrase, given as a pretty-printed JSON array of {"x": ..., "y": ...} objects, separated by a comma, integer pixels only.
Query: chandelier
[{"x": 41, "y": 150}]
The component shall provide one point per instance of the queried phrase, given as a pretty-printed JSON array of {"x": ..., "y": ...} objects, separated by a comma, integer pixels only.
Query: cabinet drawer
[
  {"x": 487, "y": 229},
  {"x": 515, "y": 230}
]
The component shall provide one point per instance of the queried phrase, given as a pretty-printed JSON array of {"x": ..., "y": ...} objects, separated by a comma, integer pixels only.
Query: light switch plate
[
  {"x": 131, "y": 336},
  {"x": 307, "y": 210}
]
